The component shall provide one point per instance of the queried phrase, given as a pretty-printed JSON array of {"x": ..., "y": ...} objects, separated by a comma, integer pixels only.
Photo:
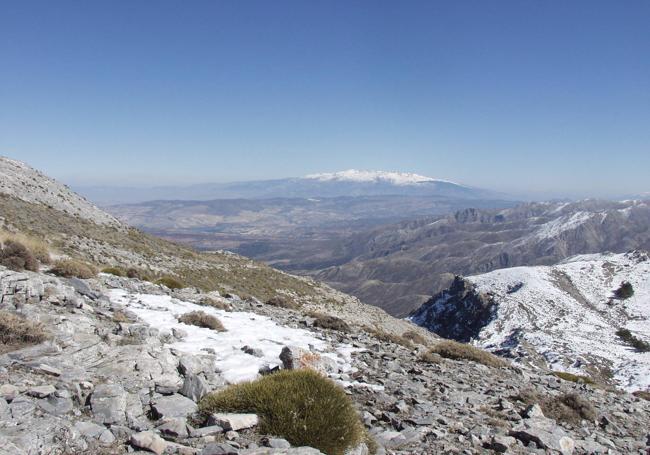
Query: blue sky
[{"x": 511, "y": 95}]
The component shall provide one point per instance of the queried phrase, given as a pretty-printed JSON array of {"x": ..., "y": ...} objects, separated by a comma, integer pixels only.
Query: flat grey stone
[
  {"x": 173, "y": 406},
  {"x": 108, "y": 403}
]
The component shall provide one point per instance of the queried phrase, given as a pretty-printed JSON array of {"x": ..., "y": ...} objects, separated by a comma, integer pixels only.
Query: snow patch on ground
[{"x": 242, "y": 329}]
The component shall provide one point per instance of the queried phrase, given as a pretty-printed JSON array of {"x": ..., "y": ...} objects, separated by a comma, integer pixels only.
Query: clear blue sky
[{"x": 511, "y": 95}]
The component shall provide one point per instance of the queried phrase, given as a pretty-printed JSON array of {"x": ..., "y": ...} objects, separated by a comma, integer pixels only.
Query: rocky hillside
[
  {"x": 400, "y": 266},
  {"x": 25, "y": 183},
  {"x": 568, "y": 317}
]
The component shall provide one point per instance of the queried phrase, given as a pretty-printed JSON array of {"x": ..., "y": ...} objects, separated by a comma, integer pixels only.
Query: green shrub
[
  {"x": 15, "y": 329},
  {"x": 573, "y": 377},
  {"x": 625, "y": 291},
  {"x": 325, "y": 321},
  {"x": 170, "y": 282},
  {"x": 636, "y": 343},
  {"x": 114, "y": 271},
  {"x": 72, "y": 268},
  {"x": 15, "y": 256},
  {"x": 202, "y": 319},
  {"x": 301, "y": 406},
  {"x": 282, "y": 302},
  {"x": 460, "y": 351}
]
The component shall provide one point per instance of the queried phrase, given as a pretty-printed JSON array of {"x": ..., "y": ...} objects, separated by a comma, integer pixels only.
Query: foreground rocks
[{"x": 105, "y": 381}]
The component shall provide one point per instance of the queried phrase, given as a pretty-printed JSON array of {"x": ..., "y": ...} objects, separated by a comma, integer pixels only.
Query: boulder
[
  {"x": 148, "y": 440},
  {"x": 108, "y": 403},
  {"x": 8, "y": 392},
  {"x": 545, "y": 433},
  {"x": 173, "y": 406},
  {"x": 174, "y": 427},
  {"x": 295, "y": 358},
  {"x": 194, "y": 387},
  {"x": 234, "y": 422}
]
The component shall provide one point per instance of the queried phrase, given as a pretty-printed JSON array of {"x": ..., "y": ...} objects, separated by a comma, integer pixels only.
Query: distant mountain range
[{"x": 348, "y": 183}]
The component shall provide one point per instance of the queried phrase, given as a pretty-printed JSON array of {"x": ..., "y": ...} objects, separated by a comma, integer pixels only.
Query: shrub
[
  {"x": 415, "y": 337},
  {"x": 202, "y": 319},
  {"x": 430, "y": 357},
  {"x": 170, "y": 282},
  {"x": 301, "y": 406},
  {"x": 636, "y": 343},
  {"x": 569, "y": 407},
  {"x": 625, "y": 291},
  {"x": 282, "y": 302},
  {"x": 15, "y": 329},
  {"x": 460, "y": 351},
  {"x": 214, "y": 303},
  {"x": 37, "y": 247},
  {"x": 113, "y": 271},
  {"x": 386, "y": 337},
  {"x": 15, "y": 256},
  {"x": 325, "y": 321},
  {"x": 133, "y": 273},
  {"x": 643, "y": 394},
  {"x": 573, "y": 377},
  {"x": 73, "y": 268}
]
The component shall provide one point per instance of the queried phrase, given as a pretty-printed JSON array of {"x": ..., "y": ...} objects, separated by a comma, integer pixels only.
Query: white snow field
[
  {"x": 353, "y": 175},
  {"x": 568, "y": 314},
  {"x": 242, "y": 329}
]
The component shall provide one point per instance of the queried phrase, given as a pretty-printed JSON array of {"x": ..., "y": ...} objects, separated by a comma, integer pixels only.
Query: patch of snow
[
  {"x": 565, "y": 223},
  {"x": 242, "y": 329}
]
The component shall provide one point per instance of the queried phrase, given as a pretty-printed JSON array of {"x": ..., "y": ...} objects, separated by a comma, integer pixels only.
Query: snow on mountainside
[
  {"x": 353, "y": 175},
  {"x": 23, "y": 182},
  {"x": 567, "y": 313}
]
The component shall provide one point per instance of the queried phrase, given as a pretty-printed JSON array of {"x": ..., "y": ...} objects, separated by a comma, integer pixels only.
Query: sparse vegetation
[
  {"x": 214, "y": 303},
  {"x": 15, "y": 256},
  {"x": 635, "y": 342},
  {"x": 117, "y": 271},
  {"x": 430, "y": 357},
  {"x": 37, "y": 247},
  {"x": 202, "y": 319},
  {"x": 301, "y": 406},
  {"x": 15, "y": 330},
  {"x": 573, "y": 377},
  {"x": 460, "y": 351},
  {"x": 568, "y": 407},
  {"x": 72, "y": 268},
  {"x": 643, "y": 394},
  {"x": 325, "y": 321},
  {"x": 282, "y": 301},
  {"x": 170, "y": 282},
  {"x": 387, "y": 337},
  {"x": 625, "y": 291},
  {"x": 415, "y": 337}
]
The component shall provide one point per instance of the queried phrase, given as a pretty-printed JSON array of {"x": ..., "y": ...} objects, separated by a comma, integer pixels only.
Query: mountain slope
[
  {"x": 567, "y": 314},
  {"x": 398, "y": 267},
  {"x": 21, "y": 181}
]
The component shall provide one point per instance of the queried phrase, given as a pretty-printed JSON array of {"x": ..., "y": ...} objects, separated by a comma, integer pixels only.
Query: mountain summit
[{"x": 394, "y": 178}]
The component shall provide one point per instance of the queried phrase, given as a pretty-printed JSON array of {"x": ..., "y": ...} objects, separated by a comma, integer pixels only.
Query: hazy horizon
[{"x": 517, "y": 97}]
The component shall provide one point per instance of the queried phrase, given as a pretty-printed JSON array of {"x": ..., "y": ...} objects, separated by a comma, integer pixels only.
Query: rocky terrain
[
  {"x": 106, "y": 381},
  {"x": 564, "y": 317},
  {"x": 399, "y": 267},
  {"x": 106, "y": 365}
]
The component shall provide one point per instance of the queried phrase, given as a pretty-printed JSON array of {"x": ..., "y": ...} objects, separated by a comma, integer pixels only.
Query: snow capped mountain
[
  {"x": 353, "y": 175},
  {"x": 566, "y": 316}
]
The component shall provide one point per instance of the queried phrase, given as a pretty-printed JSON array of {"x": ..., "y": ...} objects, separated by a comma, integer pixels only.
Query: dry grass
[
  {"x": 117, "y": 271},
  {"x": 170, "y": 282},
  {"x": 72, "y": 268},
  {"x": 301, "y": 406},
  {"x": 325, "y": 321},
  {"x": 430, "y": 357},
  {"x": 214, "y": 303},
  {"x": 16, "y": 256},
  {"x": 37, "y": 247},
  {"x": 573, "y": 377},
  {"x": 17, "y": 330},
  {"x": 202, "y": 319},
  {"x": 643, "y": 394},
  {"x": 387, "y": 337},
  {"x": 415, "y": 337},
  {"x": 282, "y": 301},
  {"x": 460, "y": 351},
  {"x": 568, "y": 407}
]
